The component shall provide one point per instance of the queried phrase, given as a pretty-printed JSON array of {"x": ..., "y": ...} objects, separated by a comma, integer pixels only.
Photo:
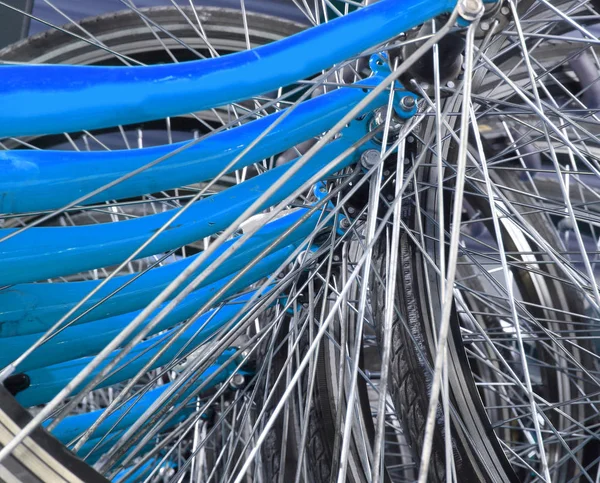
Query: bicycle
[{"x": 312, "y": 272}]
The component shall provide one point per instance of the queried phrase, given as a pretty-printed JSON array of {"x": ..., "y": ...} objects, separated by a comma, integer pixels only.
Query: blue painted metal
[
  {"x": 89, "y": 339},
  {"x": 72, "y": 426},
  {"x": 31, "y": 308},
  {"x": 46, "y": 99},
  {"x": 47, "y": 382},
  {"x": 44, "y": 252},
  {"x": 379, "y": 64},
  {"x": 103, "y": 446},
  {"x": 32, "y": 180}
]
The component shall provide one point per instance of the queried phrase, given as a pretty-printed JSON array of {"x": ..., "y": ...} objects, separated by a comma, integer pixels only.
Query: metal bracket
[{"x": 405, "y": 101}]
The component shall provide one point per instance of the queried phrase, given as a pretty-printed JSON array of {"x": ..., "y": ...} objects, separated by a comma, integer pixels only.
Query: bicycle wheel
[
  {"x": 195, "y": 409},
  {"x": 324, "y": 388},
  {"x": 493, "y": 361},
  {"x": 288, "y": 258}
]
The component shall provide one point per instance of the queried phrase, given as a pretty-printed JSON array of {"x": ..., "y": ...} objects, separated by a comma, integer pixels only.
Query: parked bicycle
[{"x": 234, "y": 247}]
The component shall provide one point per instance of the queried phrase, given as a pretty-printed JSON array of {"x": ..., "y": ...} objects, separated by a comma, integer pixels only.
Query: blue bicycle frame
[
  {"x": 46, "y": 99},
  {"x": 71, "y": 427},
  {"x": 56, "y": 99},
  {"x": 35, "y": 181},
  {"x": 30, "y": 308},
  {"x": 64, "y": 98}
]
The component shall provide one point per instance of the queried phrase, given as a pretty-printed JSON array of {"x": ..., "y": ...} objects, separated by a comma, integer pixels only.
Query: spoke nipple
[
  {"x": 407, "y": 103},
  {"x": 237, "y": 381},
  {"x": 470, "y": 10},
  {"x": 370, "y": 158}
]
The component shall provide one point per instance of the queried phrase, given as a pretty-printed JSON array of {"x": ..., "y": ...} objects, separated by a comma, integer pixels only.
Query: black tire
[
  {"x": 322, "y": 414},
  {"x": 126, "y": 32},
  {"x": 318, "y": 443},
  {"x": 478, "y": 456}
]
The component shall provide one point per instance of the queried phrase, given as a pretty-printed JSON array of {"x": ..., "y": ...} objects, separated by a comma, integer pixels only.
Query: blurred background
[{"x": 15, "y": 26}]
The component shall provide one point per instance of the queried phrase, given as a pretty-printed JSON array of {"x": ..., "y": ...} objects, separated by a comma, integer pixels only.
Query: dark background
[{"x": 14, "y": 25}]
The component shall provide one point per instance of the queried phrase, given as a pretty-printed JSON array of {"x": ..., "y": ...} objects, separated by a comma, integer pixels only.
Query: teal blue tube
[{"x": 45, "y": 99}]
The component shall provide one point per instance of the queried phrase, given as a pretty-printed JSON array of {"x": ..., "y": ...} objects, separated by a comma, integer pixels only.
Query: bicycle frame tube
[
  {"x": 31, "y": 308},
  {"x": 135, "y": 411},
  {"x": 46, "y": 382},
  {"x": 89, "y": 339},
  {"x": 44, "y": 99},
  {"x": 45, "y": 252},
  {"x": 72, "y": 426},
  {"x": 32, "y": 180},
  {"x": 99, "y": 446},
  {"x": 218, "y": 373}
]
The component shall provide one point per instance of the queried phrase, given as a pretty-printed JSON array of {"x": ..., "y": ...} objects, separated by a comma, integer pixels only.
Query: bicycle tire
[{"x": 477, "y": 454}]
